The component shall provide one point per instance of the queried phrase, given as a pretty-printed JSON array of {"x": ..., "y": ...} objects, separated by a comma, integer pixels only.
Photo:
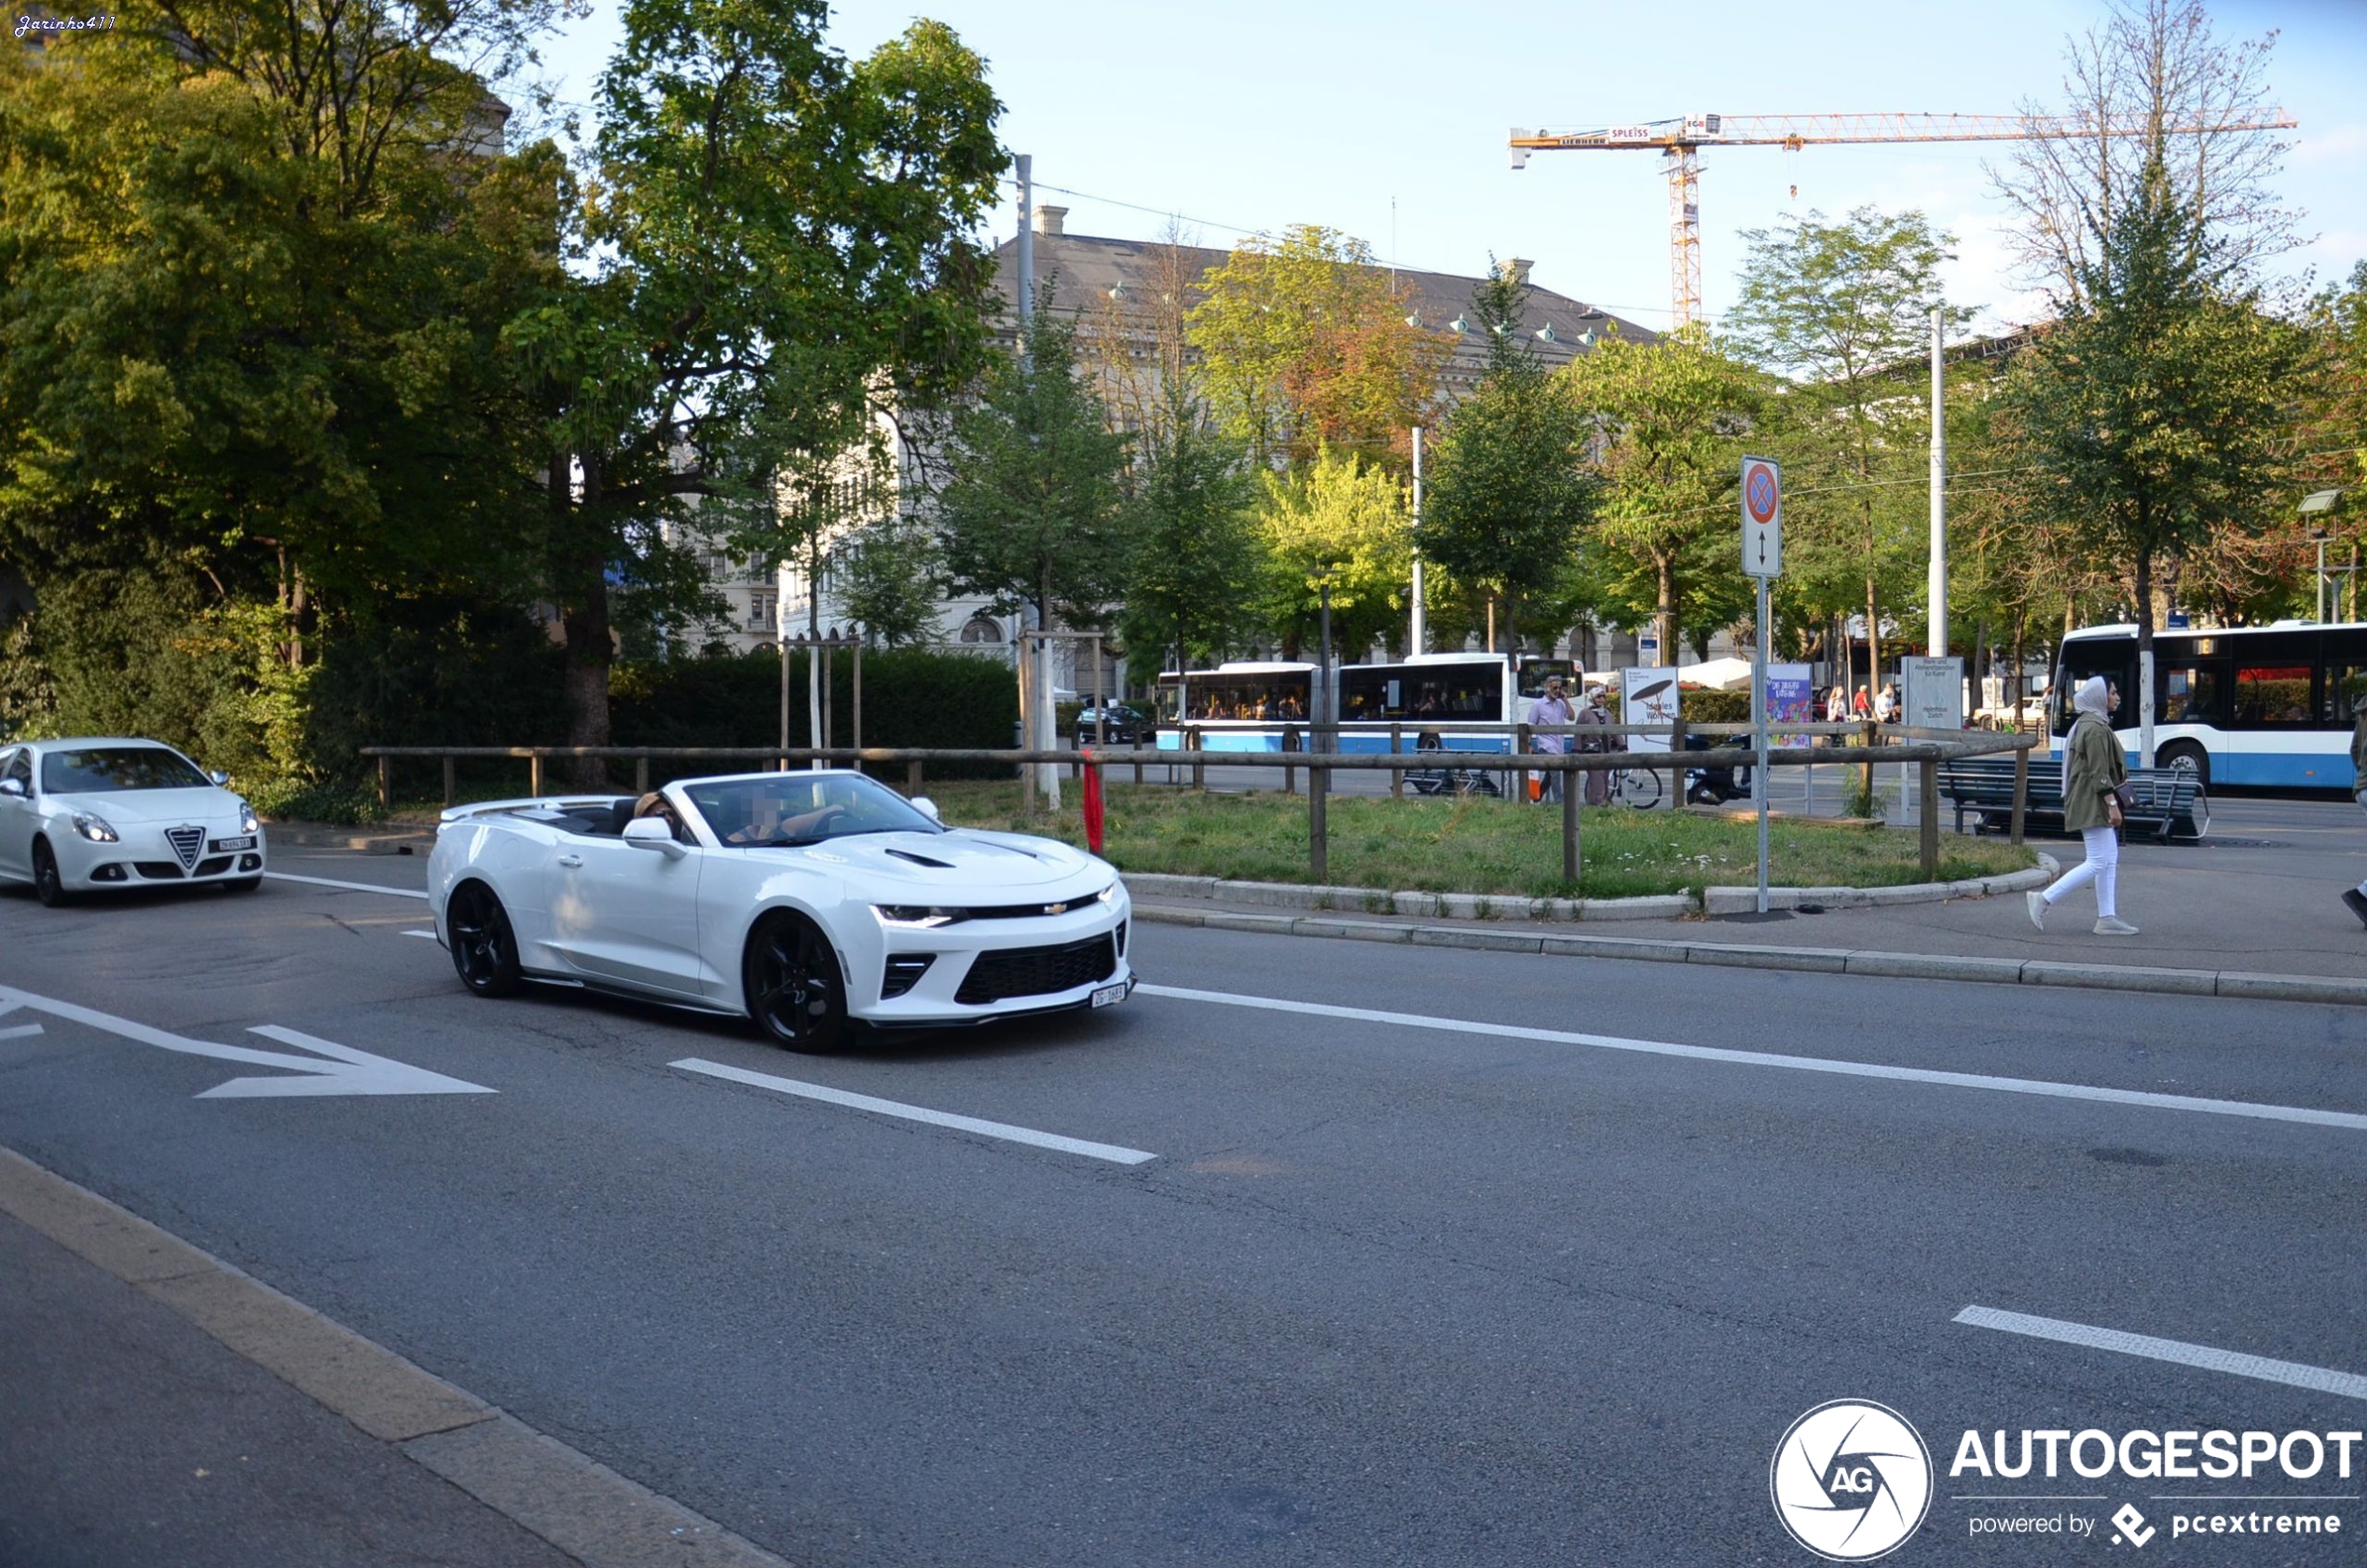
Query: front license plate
[
  {"x": 245, "y": 842},
  {"x": 1109, "y": 995}
]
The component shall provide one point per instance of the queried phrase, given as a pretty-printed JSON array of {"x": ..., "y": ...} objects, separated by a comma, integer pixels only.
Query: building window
[
  {"x": 982, "y": 628},
  {"x": 764, "y": 608}
]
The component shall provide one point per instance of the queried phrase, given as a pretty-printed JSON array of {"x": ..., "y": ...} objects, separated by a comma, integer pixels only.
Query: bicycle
[{"x": 1638, "y": 787}]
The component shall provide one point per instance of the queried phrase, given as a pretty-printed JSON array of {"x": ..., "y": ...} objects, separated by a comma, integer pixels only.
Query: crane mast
[{"x": 1679, "y": 142}]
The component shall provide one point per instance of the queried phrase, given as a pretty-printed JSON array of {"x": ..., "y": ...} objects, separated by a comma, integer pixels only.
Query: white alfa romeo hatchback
[{"x": 100, "y": 816}]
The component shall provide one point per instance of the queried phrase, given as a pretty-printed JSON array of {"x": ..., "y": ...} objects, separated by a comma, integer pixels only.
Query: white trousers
[{"x": 2102, "y": 866}]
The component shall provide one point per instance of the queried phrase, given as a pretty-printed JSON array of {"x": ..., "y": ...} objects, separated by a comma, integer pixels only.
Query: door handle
[{"x": 571, "y": 861}]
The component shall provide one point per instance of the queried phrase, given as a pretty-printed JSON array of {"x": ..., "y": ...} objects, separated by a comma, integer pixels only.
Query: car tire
[
  {"x": 484, "y": 948},
  {"x": 792, "y": 984},
  {"x": 2187, "y": 755},
  {"x": 48, "y": 884}
]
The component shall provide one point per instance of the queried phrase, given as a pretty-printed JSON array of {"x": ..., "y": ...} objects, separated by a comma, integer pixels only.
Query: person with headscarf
[
  {"x": 2357, "y": 897},
  {"x": 1594, "y": 716},
  {"x": 2093, "y": 769}
]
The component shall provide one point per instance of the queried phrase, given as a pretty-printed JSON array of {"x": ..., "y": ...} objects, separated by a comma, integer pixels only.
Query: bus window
[
  {"x": 2192, "y": 694},
  {"x": 2344, "y": 685},
  {"x": 2270, "y": 695},
  {"x": 1536, "y": 672},
  {"x": 2113, "y": 658}
]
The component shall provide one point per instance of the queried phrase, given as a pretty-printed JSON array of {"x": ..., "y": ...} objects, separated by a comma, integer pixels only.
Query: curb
[
  {"x": 1486, "y": 906},
  {"x": 328, "y": 835},
  {"x": 580, "y": 1507},
  {"x": 2233, "y": 984}
]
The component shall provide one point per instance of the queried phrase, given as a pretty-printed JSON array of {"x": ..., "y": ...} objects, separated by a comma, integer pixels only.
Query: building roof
[{"x": 1088, "y": 268}]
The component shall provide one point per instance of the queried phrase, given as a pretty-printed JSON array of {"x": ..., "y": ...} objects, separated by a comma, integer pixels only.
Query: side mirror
[
  {"x": 652, "y": 833},
  {"x": 14, "y": 789},
  {"x": 927, "y": 807},
  {"x": 218, "y": 776}
]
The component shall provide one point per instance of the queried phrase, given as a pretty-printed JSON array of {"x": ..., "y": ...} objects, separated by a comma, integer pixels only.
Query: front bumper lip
[
  {"x": 80, "y": 859},
  {"x": 1080, "y": 1000}
]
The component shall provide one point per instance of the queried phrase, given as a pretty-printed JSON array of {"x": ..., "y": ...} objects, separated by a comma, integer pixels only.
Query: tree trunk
[
  {"x": 2145, "y": 585},
  {"x": 1664, "y": 610},
  {"x": 2021, "y": 627},
  {"x": 1873, "y": 635}
]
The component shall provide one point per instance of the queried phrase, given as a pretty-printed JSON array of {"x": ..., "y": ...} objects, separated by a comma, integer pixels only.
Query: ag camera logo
[{"x": 1851, "y": 1481}]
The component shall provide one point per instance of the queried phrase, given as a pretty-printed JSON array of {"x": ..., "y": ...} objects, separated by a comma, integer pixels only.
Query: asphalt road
[{"x": 1514, "y": 1285}]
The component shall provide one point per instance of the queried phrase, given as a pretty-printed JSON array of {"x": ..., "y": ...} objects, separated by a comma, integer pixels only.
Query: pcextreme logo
[{"x": 1851, "y": 1481}]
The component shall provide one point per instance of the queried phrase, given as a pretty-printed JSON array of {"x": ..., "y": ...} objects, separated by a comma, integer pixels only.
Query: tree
[
  {"x": 1034, "y": 509},
  {"x": 780, "y": 251},
  {"x": 1193, "y": 585},
  {"x": 1307, "y": 343},
  {"x": 1344, "y": 521},
  {"x": 1508, "y": 504},
  {"x": 1669, "y": 422},
  {"x": 892, "y": 580},
  {"x": 2159, "y": 406},
  {"x": 2154, "y": 66},
  {"x": 1844, "y": 306}
]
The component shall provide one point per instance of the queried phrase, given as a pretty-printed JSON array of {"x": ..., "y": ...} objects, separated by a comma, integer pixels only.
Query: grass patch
[{"x": 1471, "y": 846}]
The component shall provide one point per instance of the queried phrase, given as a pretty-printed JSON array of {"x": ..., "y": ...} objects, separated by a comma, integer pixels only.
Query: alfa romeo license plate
[
  {"x": 244, "y": 841},
  {"x": 1108, "y": 995}
]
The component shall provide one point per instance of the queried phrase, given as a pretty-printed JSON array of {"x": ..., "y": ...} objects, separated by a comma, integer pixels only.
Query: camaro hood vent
[{"x": 922, "y": 860}]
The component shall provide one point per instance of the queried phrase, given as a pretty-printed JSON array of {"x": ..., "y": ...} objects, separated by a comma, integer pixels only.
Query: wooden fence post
[
  {"x": 1871, "y": 729},
  {"x": 451, "y": 785},
  {"x": 1199, "y": 765},
  {"x": 1573, "y": 786},
  {"x": 1676, "y": 767},
  {"x": 1520, "y": 780},
  {"x": 1928, "y": 810},
  {"x": 386, "y": 784},
  {"x": 1319, "y": 846},
  {"x": 2021, "y": 788},
  {"x": 534, "y": 772},
  {"x": 912, "y": 777},
  {"x": 641, "y": 774},
  {"x": 1396, "y": 775}
]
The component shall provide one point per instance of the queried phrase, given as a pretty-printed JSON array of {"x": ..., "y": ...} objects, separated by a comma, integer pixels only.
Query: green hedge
[
  {"x": 911, "y": 698},
  {"x": 1702, "y": 704}
]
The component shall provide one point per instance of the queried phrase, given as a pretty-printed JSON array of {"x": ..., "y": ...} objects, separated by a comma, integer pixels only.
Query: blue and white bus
[
  {"x": 1244, "y": 705},
  {"x": 1252, "y": 706},
  {"x": 2265, "y": 706}
]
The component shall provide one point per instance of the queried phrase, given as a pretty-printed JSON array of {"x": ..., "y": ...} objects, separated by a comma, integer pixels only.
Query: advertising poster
[
  {"x": 1647, "y": 696},
  {"x": 1791, "y": 698}
]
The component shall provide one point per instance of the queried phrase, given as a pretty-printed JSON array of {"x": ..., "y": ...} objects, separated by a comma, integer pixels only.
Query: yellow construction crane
[{"x": 1680, "y": 142}]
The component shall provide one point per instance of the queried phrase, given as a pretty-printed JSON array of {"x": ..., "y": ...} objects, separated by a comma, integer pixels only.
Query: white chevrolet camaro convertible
[
  {"x": 811, "y": 902},
  {"x": 100, "y": 816}
]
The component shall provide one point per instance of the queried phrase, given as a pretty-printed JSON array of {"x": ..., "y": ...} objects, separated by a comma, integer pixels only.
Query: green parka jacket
[{"x": 2093, "y": 768}]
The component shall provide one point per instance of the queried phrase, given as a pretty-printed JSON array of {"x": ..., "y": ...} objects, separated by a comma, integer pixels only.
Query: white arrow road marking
[
  {"x": 2318, "y": 1380},
  {"x": 19, "y": 1031},
  {"x": 1004, "y": 1130},
  {"x": 349, "y": 887},
  {"x": 2351, "y": 1120},
  {"x": 351, "y": 1072}
]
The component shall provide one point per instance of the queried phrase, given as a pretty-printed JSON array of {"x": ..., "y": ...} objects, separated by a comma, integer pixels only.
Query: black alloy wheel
[
  {"x": 49, "y": 885},
  {"x": 485, "y": 950},
  {"x": 793, "y": 986}
]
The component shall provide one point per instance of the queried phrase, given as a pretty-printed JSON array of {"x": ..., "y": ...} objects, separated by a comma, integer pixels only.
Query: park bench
[{"x": 2170, "y": 801}]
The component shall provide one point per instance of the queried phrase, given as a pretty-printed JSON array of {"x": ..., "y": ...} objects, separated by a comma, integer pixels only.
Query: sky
[{"x": 1387, "y": 120}]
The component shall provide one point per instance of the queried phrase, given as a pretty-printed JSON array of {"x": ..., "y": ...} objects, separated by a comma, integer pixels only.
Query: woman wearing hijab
[{"x": 2093, "y": 769}]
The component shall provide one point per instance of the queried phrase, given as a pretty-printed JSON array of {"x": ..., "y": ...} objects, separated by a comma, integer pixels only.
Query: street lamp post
[{"x": 2315, "y": 502}]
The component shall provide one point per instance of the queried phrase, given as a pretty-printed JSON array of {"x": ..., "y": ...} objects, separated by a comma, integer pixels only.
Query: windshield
[
  {"x": 804, "y": 808},
  {"x": 78, "y": 772}
]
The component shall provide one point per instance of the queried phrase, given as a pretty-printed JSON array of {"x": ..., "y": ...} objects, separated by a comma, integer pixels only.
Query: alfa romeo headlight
[
  {"x": 247, "y": 823},
  {"x": 928, "y": 915},
  {"x": 95, "y": 828}
]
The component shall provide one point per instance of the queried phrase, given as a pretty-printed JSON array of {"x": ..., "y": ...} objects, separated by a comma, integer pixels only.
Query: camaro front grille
[{"x": 1037, "y": 971}]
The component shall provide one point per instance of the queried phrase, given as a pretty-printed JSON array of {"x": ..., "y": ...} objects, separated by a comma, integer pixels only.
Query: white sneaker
[
  {"x": 2037, "y": 906},
  {"x": 2114, "y": 926}
]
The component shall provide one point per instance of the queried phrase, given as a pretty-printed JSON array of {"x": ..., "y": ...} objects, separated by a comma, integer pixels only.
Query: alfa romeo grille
[
  {"x": 1037, "y": 971},
  {"x": 188, "y": 842}
]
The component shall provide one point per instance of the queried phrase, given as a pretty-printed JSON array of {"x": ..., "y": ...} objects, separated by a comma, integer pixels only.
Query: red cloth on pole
[{"x": 1092, "y": 804}]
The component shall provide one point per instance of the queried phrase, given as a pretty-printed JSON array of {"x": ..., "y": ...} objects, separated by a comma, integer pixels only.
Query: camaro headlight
[
  {"x": 95, "y": 828},
  {"x": 247, "y": 823},
  {"x": 1108, "y": 894},
  {"x": 918, "y": 914}
]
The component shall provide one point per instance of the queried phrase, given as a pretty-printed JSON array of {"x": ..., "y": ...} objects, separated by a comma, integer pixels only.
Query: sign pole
[
  {"x": 1758, "y": 736},
  {"x": 1762, "y": 488}
]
